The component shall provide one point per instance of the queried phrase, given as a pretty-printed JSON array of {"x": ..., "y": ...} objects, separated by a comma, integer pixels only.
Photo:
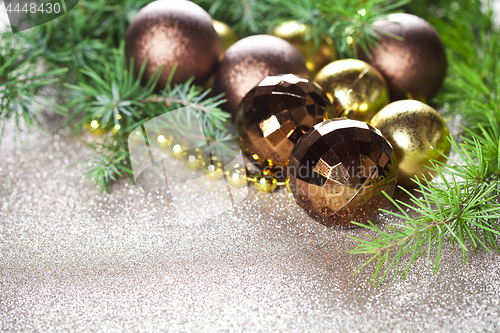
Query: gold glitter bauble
[
  {"x": 339, "y": 170},
  {"x": 356, "y": 89},
  {"x": 315, "y": 55},
  {"x": 414, "y": 66},
  {"x": 249, "y": 61},
  {"x": 213, "y": 168},
  {"x": 170, "y": 33},
  {"x": 275, "y": 114},
  {"x": 417, "y": 133},
  {"x": 227, "y": 35},
  {"x": 237, "y": 176},
  {"x": 193, "y": 159},
  {"x": 265, "y": 183}
]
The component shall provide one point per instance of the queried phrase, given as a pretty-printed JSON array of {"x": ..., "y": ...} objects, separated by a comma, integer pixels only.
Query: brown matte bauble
[
  {"x": 275, "y": 114},
  {"x": 413, "y": 67},
  {"x": 418, "y": 135},
  {"x": 170, "y": 33},
  {"x": 249, "y": 61}
]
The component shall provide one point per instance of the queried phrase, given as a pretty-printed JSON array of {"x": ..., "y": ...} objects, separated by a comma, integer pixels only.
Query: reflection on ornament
[
  {"x": 194, "y": 159},
  {"x": 169, "y": 33},
  {"x": 316, "y": 55},
  {"x": 227, "y": 35},
  {"x": 414, "y": 63},
  {"x": 249, "y": 61},
  {"x": 339, "y": 170},
  {"x": 356, "y": 89},
  {"x": 237, "y": 176},
  {"x": 417, "y": 133},
  {"x": 213, "y": 168},
  {"x": 178, "y": 148},
  {"x": 265, "y": 182},
  {"x": 275, "y": 114}
]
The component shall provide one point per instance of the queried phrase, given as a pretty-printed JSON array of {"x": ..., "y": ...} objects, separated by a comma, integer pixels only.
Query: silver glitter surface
[{"x": 73, "y": 260}]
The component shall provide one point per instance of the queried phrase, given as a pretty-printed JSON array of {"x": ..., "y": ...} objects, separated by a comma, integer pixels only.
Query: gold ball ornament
[
  {"x": 169, "y": 33},
  {"x": 414, "y": 66},
  {"x": 417, "y": 133},
  {"x": 237, "y": 176},
  {"x": 249, "y": 61},
  {"x": 213, "y": 168},
  {"x": 227, "y": 35},
  {"x": 298, "y": 34},
  {"x": 356, "y": 89},
  {"x": 178, "y": 148},
  {"x": 275, "y": 114}
]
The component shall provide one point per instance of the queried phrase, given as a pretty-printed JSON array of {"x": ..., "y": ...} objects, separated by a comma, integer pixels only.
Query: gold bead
[
  {"x": 178, "y": 148},
  {"x": 265, "y": 183},
  {"x": 95, "y": 128},
  {"x": 194, "y": 159},
  {"x": 417, "y": 133},
  {"x": 356, "y": 89},
  {"x": 237, "y": 176},
  {"x": 315, "y": 55},
  {"x": 213, "y": 168},
  {"x": 287, "y": 184}
]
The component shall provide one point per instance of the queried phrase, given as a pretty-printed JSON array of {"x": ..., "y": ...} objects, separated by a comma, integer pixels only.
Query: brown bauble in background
[
  {"x": 169, "y": 33},
  {"x": 249, "y": 61},
  {"x": 414, "y": 66}
]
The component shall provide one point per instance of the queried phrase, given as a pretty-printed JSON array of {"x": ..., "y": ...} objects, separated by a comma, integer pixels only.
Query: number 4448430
[{"x": 35, "y": 8}]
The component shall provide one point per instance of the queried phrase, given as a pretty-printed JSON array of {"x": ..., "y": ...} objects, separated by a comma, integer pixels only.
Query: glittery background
[{"x": 72, "y": 260}]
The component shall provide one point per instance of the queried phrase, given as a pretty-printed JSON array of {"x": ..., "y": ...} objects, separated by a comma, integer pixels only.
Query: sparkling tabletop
[{"x": 74, "y": 260}]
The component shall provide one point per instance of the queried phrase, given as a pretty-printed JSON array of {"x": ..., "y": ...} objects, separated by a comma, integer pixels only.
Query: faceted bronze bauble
[
  {"x": 356, "y": 89},
  {"x": 413, "y": 66},
  {"x": 298, "y": 34},
  {"x": 275, "y": 114},
  {"x": 418, "y": 134},
  {"x": 169, "y": 33},
  {"x": 227, "y": 35},
  {"x": 249, "y": 61},
  {"x": 339, "y": 169}
]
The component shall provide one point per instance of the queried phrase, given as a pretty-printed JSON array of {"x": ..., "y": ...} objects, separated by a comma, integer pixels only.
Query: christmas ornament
[
  {"x": 275, "y": 114},
  {"x": 265, "y": 182},
  {"x": 194, "y": 159},
  {"x": 356, "y": 89},
  {"x": 237, "y": 176},
  {"x": 250, "y": 60},
  {"x": 339, "y": 169},
  {"x": 414, "y": 66},
  {"x": 315, "y": 56},
  {"x": 417, "y": 133},
  {"x": 169, "y": 33},
  {"x": 227, "y": 35},
  {"x": 214, "y": 168}
]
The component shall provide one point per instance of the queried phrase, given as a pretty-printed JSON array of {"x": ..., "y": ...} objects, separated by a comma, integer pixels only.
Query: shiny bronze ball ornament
[
  {"x": 417, "y": 133},
  {"x": 169, "y": 33},
  {"x": 275, "y": 114},
  {"x": 339, "y": 169},
  {"x": 413, "y": 66},
  {"x": 315, "y": 56},
  {"x": 227, "y": 35},
  {"x": 356, "y": 89},
  {"x": 249, "y": 61}
]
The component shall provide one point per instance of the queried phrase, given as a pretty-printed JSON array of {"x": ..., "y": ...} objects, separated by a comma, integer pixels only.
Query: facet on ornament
[
  {"x": 339, "y": 171},
  {"x": 275, "y": 114}
]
